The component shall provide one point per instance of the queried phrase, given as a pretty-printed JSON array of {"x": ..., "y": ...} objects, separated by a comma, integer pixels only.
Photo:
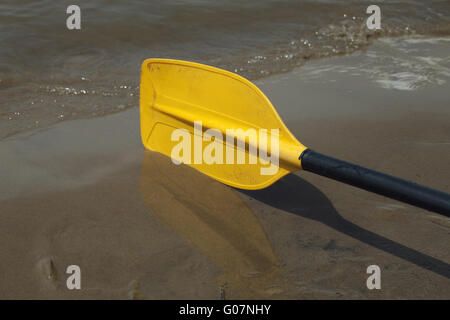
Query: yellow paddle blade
[{"x": 215, "y": 121}]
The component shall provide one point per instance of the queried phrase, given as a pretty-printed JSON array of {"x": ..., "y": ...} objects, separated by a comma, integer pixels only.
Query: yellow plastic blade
[{"x": 176, "y": 94}]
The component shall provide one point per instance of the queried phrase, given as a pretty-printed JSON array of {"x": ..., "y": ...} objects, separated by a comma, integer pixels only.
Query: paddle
[{"x": 224, "y": 126}]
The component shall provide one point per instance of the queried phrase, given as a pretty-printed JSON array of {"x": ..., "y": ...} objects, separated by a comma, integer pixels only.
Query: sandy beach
[{"x": 86, "y": 193}]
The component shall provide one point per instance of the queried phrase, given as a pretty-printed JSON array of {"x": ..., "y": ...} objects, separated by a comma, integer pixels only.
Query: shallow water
[{"x": 49, "y": 74}]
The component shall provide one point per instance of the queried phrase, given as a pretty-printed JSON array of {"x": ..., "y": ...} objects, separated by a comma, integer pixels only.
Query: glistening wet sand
[{"x": 85, "y": 192}]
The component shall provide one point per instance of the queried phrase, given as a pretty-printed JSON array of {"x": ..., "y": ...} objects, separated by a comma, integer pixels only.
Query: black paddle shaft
[{"x": 376, "y": 182}]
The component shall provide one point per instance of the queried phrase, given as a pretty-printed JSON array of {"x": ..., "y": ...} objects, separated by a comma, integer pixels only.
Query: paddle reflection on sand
[{"x": 215, "y": 221}]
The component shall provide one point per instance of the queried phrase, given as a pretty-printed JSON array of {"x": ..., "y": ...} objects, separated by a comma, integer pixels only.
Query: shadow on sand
[
  {"x": 213, "y": 219},
  {"x": 311, "y": 203}
]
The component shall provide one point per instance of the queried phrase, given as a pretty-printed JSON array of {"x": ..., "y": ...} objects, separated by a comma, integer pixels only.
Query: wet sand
[{"x": 85, "y": 192}]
